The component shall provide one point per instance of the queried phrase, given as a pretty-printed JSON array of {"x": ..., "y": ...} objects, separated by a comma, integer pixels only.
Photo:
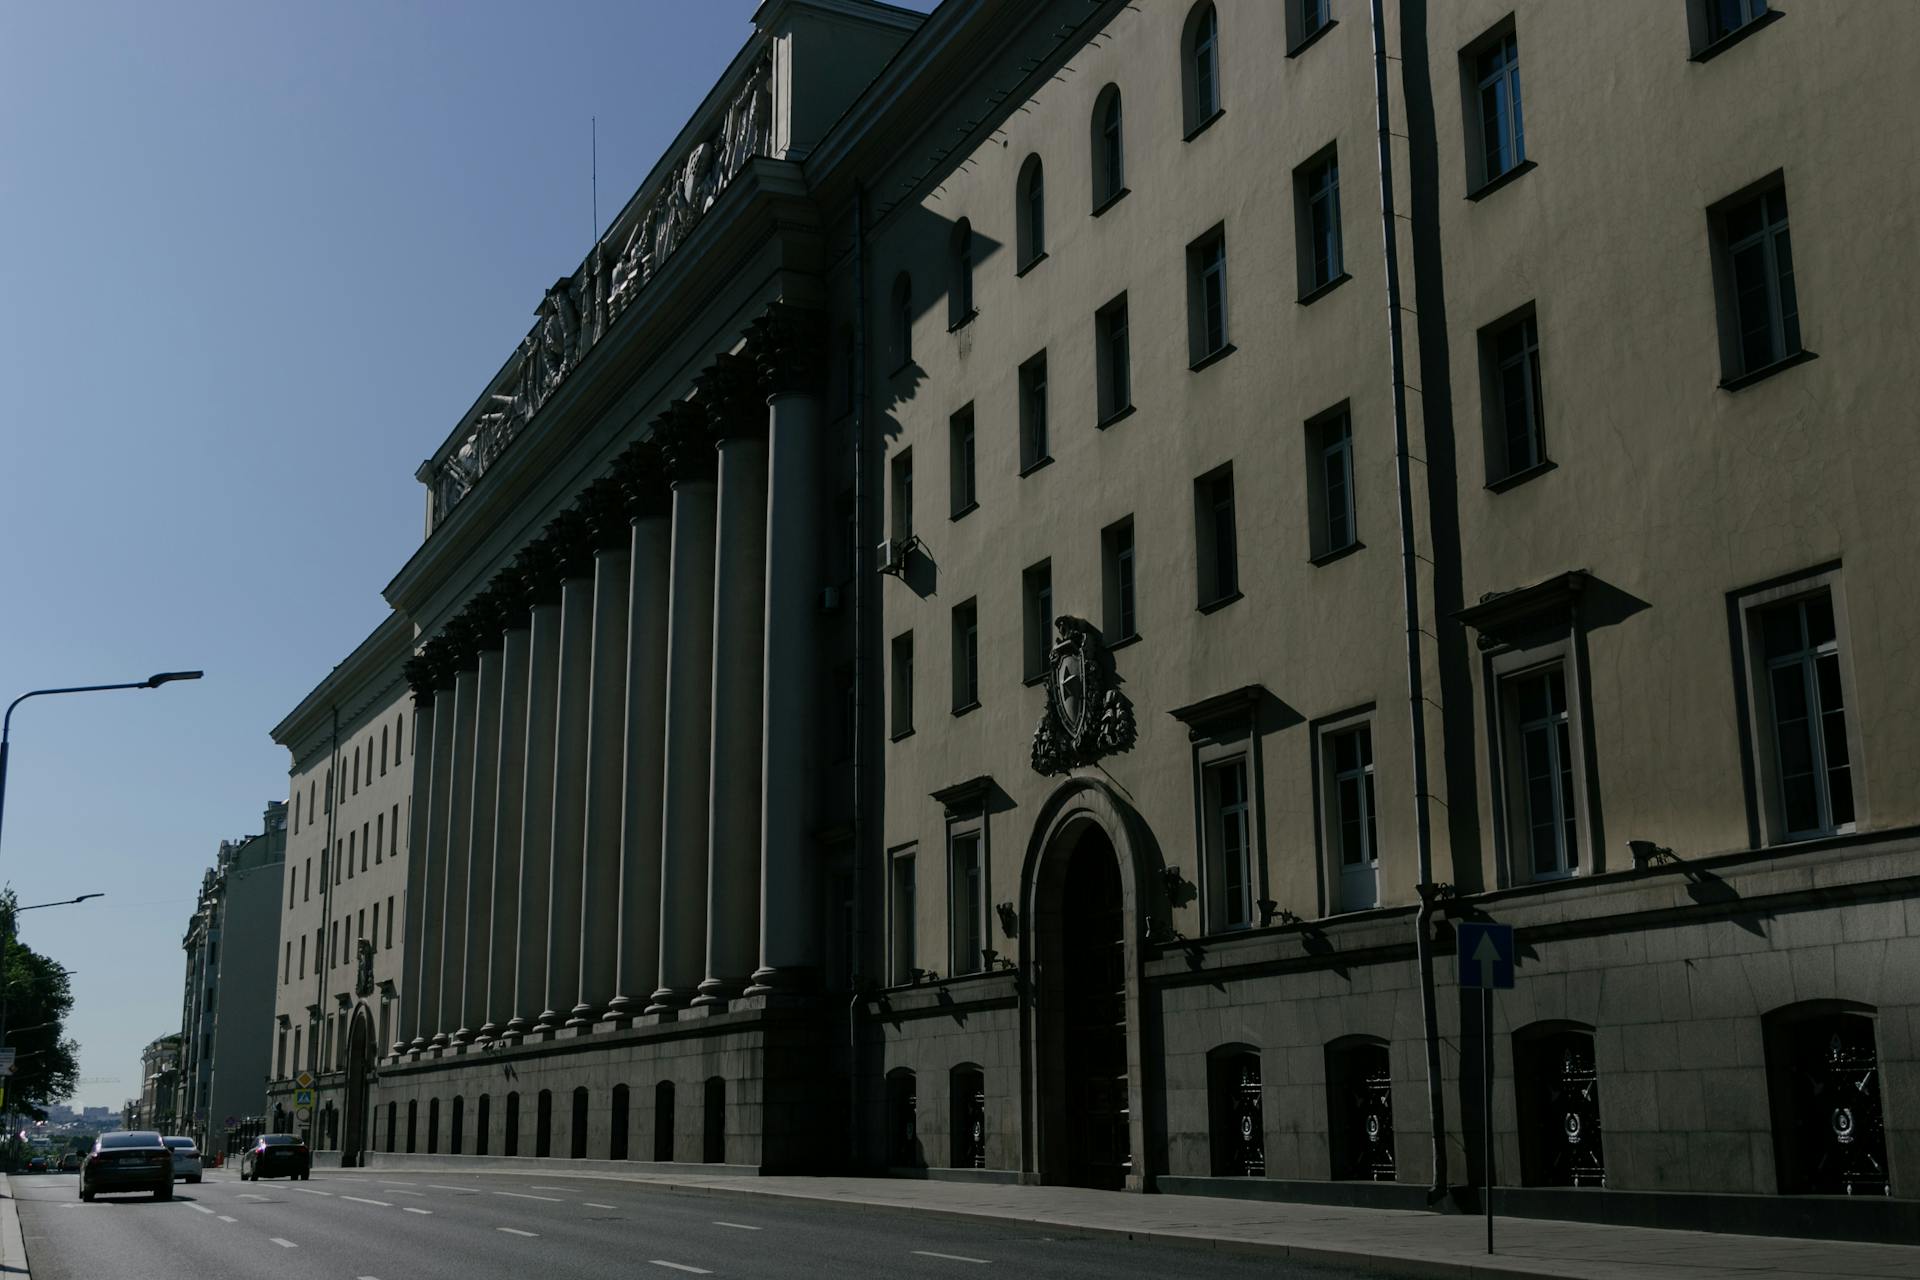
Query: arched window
[
  {"x": 1030, "y": 212},
  {"x": 510, "y": 1135},
  {"x": 577, "y": 1148},
  {"x": 1200, "y": 66},
  {"x": 413, "y": 1124},
  {"x": 1557, "y": 1098},
  {"x": 968, "y": 1090},
  {"x": 715, "y": 1107},
  {"x": 482, "y": 1125},
  {"x": 663, "y": 1120},
  {"x": 903, "y": 1128},
  {"x": 1234, "y": 1105},
  {"x": 1109, "y": 150},
  {"x": 1823, "y": 1079},
  {"x": 1360, "y": 1109},
  {"x": 901, "y": 312},
  {"x": 459, "y": 1123},
  {"x": 960, "y": 274},
  {"x": 433, "y": 1125},
  {"x": 393, "y": 1114},
  {"x": 617, "y": 1130},
  {"x": 543, "y": 1124}
]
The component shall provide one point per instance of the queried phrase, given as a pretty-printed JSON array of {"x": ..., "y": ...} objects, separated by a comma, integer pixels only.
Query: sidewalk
[
  {"x": 1391, "y": 1241},
  {"x": 13, "y": 1250}
]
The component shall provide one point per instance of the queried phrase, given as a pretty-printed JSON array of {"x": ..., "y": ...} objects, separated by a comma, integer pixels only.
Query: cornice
[{"x": 361, "y": 678}]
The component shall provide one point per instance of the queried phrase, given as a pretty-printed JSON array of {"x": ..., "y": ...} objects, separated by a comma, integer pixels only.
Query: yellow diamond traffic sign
[{"x": 304, "y": 1080}]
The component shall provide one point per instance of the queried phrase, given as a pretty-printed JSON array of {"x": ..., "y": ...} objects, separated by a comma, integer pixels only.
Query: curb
[
  {"x": 13, "y": 1248},
  {"x": 1392, "y": 1264}
]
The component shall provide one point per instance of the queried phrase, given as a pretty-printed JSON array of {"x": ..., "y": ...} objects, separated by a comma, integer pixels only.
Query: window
[
  {"x": 1207, "y": 297},
  {"x": 375, "y": 935},
  {"x": 1359, "y": 1073},
  {"x": 350, "y": 853},
  {"x": 1316, "y": 204},
  {"x": 297, "y": 1031},
  {"x": 1352, "y": 839},
  {"x": 1543, "y": 804},
  {"x": 339, "y": 860},
  {"x": 966, "y": 656},
  {"x": 960, "y": 275},
  {"x": 1113, "y": 359},
  {"x": 1237, "y": 1129},
  {"x": 1306, "y": 20},
  {"x": 333, "y": 944},
  {"x": 1800, "y": 689},
  {"x": 1759, "y": 313},
  {"x": 413, "y": 1123},
  {"x": 901, "y": 313},
  {"x": 903, "y": 495},
  {"x": 967, "y": 900},
  {"x": 967, "y": 1092},
  {"x": 1036, "y": 597},
  {"x": 303, "y": 955},
  {"x": 1033, "y": 414},
  {"x": 1200, "y": 67},
  {"x": 1109, "y": 150},
  {"x": 543, "y": 1124},
  {"x": 510, "y": 1133},
  {"x": 900, "y": 918},
  {"x": 383, "y": 751},
  {"x": 964, "y": 495},
  {"x": 306, "y": 877},
  {"x": 482, "y": 1124},
  {"x": 1121, "y": 619},
  {"x": 663, "y": 1120},
  {"x": 617, "y": 1125},
  {"x": 902, "y": 685},
  {"x": 293, "y": 887},
  {"x": 379, "y": 837},
  {"x": 1030, "y": 213},
  {"x": 399, "y": 722},
  {"x": 1513, "y": 404},
  {"x": 903, "y": 1122},
  {"x": 1823, "y": 1076},
  {"x": 1330, "y": 484},
  {"x": 1557, "y": 1096},
  {"x": 457, "y": 1135},
  {"x": 577, "y": 1131},
  {"x": 280, "y": 1057},
  {"x": 1229, "y": 873},
  {"x": 715, "y": 1114},
  {"x": 1496, "y": 138},
  {"x": 1214, "y": 538},
  {"x": 393, "y": 828},
  {"x": 390, "y": 922},
  {"x": 296, "y": 812},
  {"x": 286, "y": 964},
  {"x": 356, "y": 771},
  {"x": 1716, "y": 24}
]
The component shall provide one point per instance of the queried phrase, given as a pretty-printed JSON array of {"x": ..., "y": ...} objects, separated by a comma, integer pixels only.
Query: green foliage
[{"x": 38, "y": 999}]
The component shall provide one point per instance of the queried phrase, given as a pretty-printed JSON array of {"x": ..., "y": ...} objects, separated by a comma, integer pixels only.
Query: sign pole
[{"x": 1486, "y": 1105}]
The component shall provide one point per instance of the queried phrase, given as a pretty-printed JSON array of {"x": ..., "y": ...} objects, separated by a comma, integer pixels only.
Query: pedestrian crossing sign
[{"x": 303, "y": 1097}]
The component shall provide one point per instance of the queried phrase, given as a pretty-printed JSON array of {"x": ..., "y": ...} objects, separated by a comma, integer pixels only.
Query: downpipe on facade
[{"x": 861, "y": 585}]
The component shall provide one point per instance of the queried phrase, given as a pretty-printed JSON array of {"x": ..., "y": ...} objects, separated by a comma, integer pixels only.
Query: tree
[{"x": 38, "y": 999}]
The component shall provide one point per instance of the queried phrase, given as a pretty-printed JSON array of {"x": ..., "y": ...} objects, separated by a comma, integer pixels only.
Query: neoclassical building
[{"x": 937, "y": 654}]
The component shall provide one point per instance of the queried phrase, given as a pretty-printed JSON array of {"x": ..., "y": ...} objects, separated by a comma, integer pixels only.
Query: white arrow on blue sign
[{"x": 1485, "y": 954}]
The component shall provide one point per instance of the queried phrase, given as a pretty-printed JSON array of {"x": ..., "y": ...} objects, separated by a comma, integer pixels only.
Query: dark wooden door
[{"x": 1099, "y": 1152}]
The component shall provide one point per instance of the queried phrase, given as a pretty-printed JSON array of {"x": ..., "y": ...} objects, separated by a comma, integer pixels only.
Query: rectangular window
[
  {"x": 356, "y": 771},
  {"x": 900, "y": 919},
  {"x": 903, "y": 685},
  {"x": 967, "y": 897},
  {"x": 360, "y": 924},
  {"x": 1036, "y": 596},
  {"x": 286, "y": 965},
  {"x": 296, "y": 1046},
  {"x": 1215, "y": 539},
  {"x": 1113, "y": 358},
  {"x": 375, "y": 935},
  {"x": 1207, "y": 296},
  {"x": 333, "y": 945},
  {"x": 903, "y": 496},
  {"x": 389, "y": 922},
  {"x": 1231, "y": 890},
  {"x": 280, "y": 1056},
  {"x": 303, "y": 955},
  {"x": 1353, "y": 842},
  {"x": 1543, "y": 805},
  {"x": 393, "y": 827},
  {"x": 1496, "y": 134},
  {"x": 966, "y": 656},
  {"x": 293, "y": 887},
  {"x": 1759, "y": 312},
  {"x": 1120, "y": 619},
  {"x": 1033, "y": 414},
  {"x": 1513, "y": 403},
  {"x": 306, "y": 879},
  {"x": 365, "y": 830},
  {"x": 339, "y": 860},
  {"x": 965, "y": 496},
  {"x": 1801, "y": 690},
  {"x": 1305, "y": 20},
  {"x": 379, "y": 837},
  {"x": 1316, "y": 199},
  {"x": 1330, "y": 483},
  {"x": 350, "y": 854},
  {"x": 1714, "y": 21}
]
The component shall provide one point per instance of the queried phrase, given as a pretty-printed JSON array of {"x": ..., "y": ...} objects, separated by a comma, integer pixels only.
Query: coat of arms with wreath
[{"x": 1086, "y": 716}]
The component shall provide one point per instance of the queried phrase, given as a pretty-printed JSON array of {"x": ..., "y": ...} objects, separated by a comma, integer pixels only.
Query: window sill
[
  {"x": 965, "y": 511},
  {"x": 1045, "y": 460},
  {"x": 1204, "y": 125},
  {"x": 1314, "y": 295},
  {"x": 1111, "y": 201},
  {"x": 1764, "y": 372},
  {"x": 1308, "y": 42},
  {"x": 1132, "y": 637},
  {"x": 964, "y": 320},
  {"x": 966, "y": 707},
  {"x": 1215, "y": 605},
  {"x": 1221, "y": 353},
  {"x": 1706, "y": 53},
  {"x": 1125, "y": 411},
  {"x": 901, "y": 736},
  {"x": 1492, "y": 185},
  {"x": 1513, "y": 479},
  {"x": 1339, "y": 553},
  {"x": 1038, "y": 677},
  {"x": 1030, "y": 264}
]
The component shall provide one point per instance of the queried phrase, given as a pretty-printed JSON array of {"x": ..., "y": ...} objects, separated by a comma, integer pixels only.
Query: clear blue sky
[{"x": 256, "y": 259}]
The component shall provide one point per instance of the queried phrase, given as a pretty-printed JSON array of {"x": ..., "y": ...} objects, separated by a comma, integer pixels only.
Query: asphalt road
[{"x": 366, "y": 1226}]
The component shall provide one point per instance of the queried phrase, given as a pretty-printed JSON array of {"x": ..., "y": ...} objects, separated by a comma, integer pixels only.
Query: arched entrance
[{"x": 360, "y": 1051}]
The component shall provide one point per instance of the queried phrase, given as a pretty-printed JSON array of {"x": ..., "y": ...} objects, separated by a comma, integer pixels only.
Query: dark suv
[
  {"x": 276, "y": 1155},
  {"x": 135, "y": 1160}
]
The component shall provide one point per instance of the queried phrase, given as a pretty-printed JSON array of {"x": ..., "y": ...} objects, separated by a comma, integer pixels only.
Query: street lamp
[{"x": 6, "y": 726}]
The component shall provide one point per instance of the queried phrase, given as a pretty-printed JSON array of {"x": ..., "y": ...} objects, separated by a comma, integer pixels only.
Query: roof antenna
[{"x": 596, "y": 178}]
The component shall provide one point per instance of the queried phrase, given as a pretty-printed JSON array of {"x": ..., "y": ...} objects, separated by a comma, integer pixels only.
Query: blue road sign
[{"x": 1485, "y": 954}]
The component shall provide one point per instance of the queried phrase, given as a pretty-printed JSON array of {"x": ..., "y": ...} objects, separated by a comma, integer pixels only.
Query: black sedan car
[
  {"x": 276, "y": 1155},
  {"x": 135, "y": 1160}
]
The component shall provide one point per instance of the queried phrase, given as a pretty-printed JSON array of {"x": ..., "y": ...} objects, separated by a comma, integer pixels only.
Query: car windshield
[
  {"x": 278, "y": 1140},
  {"x": 180, "y": 1144},
  {"x": 135, "y": 1138}
]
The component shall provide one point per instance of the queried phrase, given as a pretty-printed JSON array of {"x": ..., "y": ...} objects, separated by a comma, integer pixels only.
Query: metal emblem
[{"x": 1086, "y": 716}]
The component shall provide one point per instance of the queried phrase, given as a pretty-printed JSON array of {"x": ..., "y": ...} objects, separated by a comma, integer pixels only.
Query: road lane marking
[
  {"x": 384, "y": 1204},
  {"x": 515, "y": 1231},
  {"x": 224, "y": 1218},
  {"x": 410, "y": 1209},
  {"x": 551, "y": 1188},
  {"x": 310, "y": 1191},
  {"x": 285, "y": 1244},
  {"x": 590, "y": 1204},
  {"x": 950, "y": 1257},
  {"x": 396, "y": 1184},
  {"x": 521, "y": 1195},
  {"x": 472, "y": 1191},
  {"x": 421, "y": 1194},
  {"x": 737, "y": 1226},
  {"x": 197, "y": 1208},
  {"x": 680, "y": 1266}
]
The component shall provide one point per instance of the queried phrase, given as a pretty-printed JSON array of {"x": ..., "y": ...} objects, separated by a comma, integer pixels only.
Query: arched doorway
[{"x": 360, "y": 1051}]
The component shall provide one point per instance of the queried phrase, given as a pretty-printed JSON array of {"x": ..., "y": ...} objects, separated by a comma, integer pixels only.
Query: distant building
[
  {"x": 230, "y": 943},
  {"x": 159, "y": 1087}
]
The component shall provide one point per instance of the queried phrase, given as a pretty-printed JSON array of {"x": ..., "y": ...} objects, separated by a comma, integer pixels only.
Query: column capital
[
  {"x": 787, "y": 344},
  {"x": 494, "y": 610},
  {"x": 462, "y": 638},
  {"x": 685, "y": 442},
  {"x": 571, "y": 535},
  {"x": 605, "y": 508},
  {"x": 733, "y": 397},
  {"x": 537, "y": 568},
  {"x": 422, "y": 671},
  {"x": 642, "y": 476}
]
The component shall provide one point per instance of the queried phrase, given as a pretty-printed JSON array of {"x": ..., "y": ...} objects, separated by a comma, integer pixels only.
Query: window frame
[
  {"x": 1120, "y": 585},
  {"x": 1506, "y": 670},
  {"x": 968, "y": 829},
  {"x": 1223, "y": 731},
  {"x": 1202, "y": 95},
  {"x": 1496, "y": 437},
  {"x": 965, "y": 655},
  {"x": 902, "y": 919},
  {"x": 900, "y": 682},
  {"x": 900, "y": 495},
  {"x": 1787, "y": 335},
  {"x": 1030, "y": 214},
  {"x": 1037, "y": 613},
  {"x": 1299, "y": 35},
  {"x": 963, "y": 473},
  {"x": 1217, "y": 575},
  {"x": 1503, "y": 80},
  {"x": 1316, "y": 192},
  {"x": 1322, "y": 546},
  {"x": 1035, "y": 439},
  {"x": 1708, "y": 39},
  {"x": 1108, "y": 143},
  {"x": 900, "y": 309},
  {"x": 1329, "y": 817},
  {"x": 1113, "y": 362},
  {"x": 1206, "y": 277},
  {"x": 961, "y": 308}
]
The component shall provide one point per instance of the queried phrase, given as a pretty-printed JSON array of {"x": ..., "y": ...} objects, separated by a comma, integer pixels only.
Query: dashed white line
[
  {"x": 680, "y": 1266},
  {"x": 537, "y": 1188},
  {"x": 515, "y": 1231},
  {"x": 285, "y": 1244},
  {"x": 420, "y": 1194},
  {"x": 310, "y": 1191},
  {"x": 950, "y": 1257},
  {"x": 410, "y": 1209},
  {"x": 521, "y": 1195},
  {"x": 589, "y": 1203},
  {"x": 199, "y": 1208},
  {"x": 737, "y": 1226},
  {"x": 468, "y": 1190},
  {"x": 248, "y": 1195},
  {"x": 384, "y": 1204},
  {"x": 224, "y": 1218}
]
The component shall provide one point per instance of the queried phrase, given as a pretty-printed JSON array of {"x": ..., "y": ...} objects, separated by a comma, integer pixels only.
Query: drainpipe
[
  {"x": 334, "y": 783},
  {"x": 1410, "y": 603},
  {"x": 861, "y": 586}
]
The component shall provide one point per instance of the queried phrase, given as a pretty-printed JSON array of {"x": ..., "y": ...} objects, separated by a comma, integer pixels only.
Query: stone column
[
  {"x": 420, "y": 676},
  {"x": 503, "y": 934},
  {"x": 456, "y": 851},
  {"x": 536, "y": 811},
  {"x": 432, "y": 850},
  {"x": 649, "y": 500},
  {"x": 737, "y": 416},
  {"x": 689, "y": 455},
  {"x": 786, "y": 345},
  {"x": 606, "y": 742},
  {"x": 562, "y": 987},
  {"x": 480, "y": 832}
]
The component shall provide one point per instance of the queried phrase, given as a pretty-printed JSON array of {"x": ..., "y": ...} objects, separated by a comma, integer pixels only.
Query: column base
[
  {"x": 417, "y": 1044},
  {"x": 625, "y": 1007},
  {"x": 439, "y": 1041},
  {"x": 487, "y": 1031},
  {"x": 716, "y": 991},
  {"x": 551, "y": 1020},
  {"x": 462, "y": 1036},
  {"x": 583, "y": 1015},
  {"x": 668, "y": 1000},
  {"x": 516, "y": 1027},
  {"x": 768, "y": 980}
]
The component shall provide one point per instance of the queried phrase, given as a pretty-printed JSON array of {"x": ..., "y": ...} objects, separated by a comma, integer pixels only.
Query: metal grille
[
  {"x": 1836, "y": 1143},
  {"x": 1363, "y": 1084}
]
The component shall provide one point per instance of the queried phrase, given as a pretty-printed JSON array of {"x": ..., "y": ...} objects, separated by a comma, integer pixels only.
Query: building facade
[
  {"x": 230, "y": 944},
  {"x": 159, "y": 1086},
  {"x": 935, "y": 638}
]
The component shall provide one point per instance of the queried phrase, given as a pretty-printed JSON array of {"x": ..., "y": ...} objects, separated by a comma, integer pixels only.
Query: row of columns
[{"x": 612, "y": 783}]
